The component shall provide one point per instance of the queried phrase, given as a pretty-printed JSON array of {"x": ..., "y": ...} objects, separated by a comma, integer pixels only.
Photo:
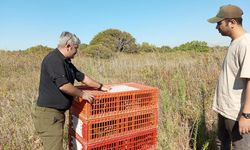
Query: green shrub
[
  {"x": 146, "y": 47},
  {"x": 116, "y": 40},
  {"x": 98, "y": 51},
  {"x": 38, "y": 49},
  {"x": 164, "y": 48},
  {"x": 197, "y": 46}
]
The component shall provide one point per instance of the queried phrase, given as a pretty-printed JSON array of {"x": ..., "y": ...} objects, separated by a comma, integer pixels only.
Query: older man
[{"x": 56, "y": 91}]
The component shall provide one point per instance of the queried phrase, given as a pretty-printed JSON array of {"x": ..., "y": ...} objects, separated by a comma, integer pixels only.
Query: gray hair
[{"x": 68, "y": 38}]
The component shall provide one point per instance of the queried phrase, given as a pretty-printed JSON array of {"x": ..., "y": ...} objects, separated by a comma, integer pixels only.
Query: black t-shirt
[{"x": 56, "y": 71}]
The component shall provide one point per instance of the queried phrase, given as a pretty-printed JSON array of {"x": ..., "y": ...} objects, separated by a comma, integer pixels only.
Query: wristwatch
[{"x": 246, "y": 115}]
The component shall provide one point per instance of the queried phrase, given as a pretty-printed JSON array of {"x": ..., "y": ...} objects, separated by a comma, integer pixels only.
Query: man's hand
[
  {"x": 88, "y": 95},
  {"x": 105, "y": 88},
  {"x": 244, "y": 125}
]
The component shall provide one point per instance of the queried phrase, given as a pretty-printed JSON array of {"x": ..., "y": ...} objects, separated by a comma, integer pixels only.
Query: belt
[{"x": 49, "y": 109}]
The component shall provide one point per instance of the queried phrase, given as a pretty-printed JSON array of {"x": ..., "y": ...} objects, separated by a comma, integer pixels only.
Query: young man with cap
[
  {"x": 56, "y": 91},
  {"x": 232, "y": 94}
]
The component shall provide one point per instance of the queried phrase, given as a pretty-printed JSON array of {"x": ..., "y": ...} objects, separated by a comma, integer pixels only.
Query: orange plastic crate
[
  {"x": 143, "y": 140},
  {"x": 107, "y": 103},
  {"x": 105, "y": 127}
]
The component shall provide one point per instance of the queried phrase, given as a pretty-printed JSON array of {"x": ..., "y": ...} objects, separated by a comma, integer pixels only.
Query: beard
[
  {"x": 223, "y": 33},
  {"x": 225, "y": 30}
]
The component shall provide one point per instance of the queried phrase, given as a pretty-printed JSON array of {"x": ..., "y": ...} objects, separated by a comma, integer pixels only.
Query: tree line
[{"x": 109, "y": 42}]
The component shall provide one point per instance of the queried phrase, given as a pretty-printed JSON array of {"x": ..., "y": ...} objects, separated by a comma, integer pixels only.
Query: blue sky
[{"x": 160, "y": 22}]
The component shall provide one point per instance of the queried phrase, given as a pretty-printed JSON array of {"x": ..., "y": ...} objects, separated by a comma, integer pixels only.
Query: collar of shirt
[{"x": 62, "y": 56}]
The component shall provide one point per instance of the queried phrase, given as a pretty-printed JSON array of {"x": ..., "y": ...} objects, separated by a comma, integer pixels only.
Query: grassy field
[{"x": 186, "y": 81}]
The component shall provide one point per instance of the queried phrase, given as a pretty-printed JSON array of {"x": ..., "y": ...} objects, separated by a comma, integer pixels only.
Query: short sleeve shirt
[
  {"x": 229, "y": 96},
  {"x": 56, "y": 71}
]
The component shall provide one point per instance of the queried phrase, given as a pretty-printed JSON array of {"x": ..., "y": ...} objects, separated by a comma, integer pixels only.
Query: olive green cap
[{"x": 226, "y": 11}]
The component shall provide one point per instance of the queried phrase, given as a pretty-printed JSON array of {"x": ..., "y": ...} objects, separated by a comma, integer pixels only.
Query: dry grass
[{"x": 186, "y": 81}]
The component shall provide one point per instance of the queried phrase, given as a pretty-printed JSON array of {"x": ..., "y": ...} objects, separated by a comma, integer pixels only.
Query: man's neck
[
  {"x": 239, "y": 31},
  {"x": 62, "y": 50}
]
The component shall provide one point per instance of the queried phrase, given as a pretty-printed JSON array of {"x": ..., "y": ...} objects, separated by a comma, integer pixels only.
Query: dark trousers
[
  {"x": 49, "y": 125},
  {"x": 229, "y": 135}
]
